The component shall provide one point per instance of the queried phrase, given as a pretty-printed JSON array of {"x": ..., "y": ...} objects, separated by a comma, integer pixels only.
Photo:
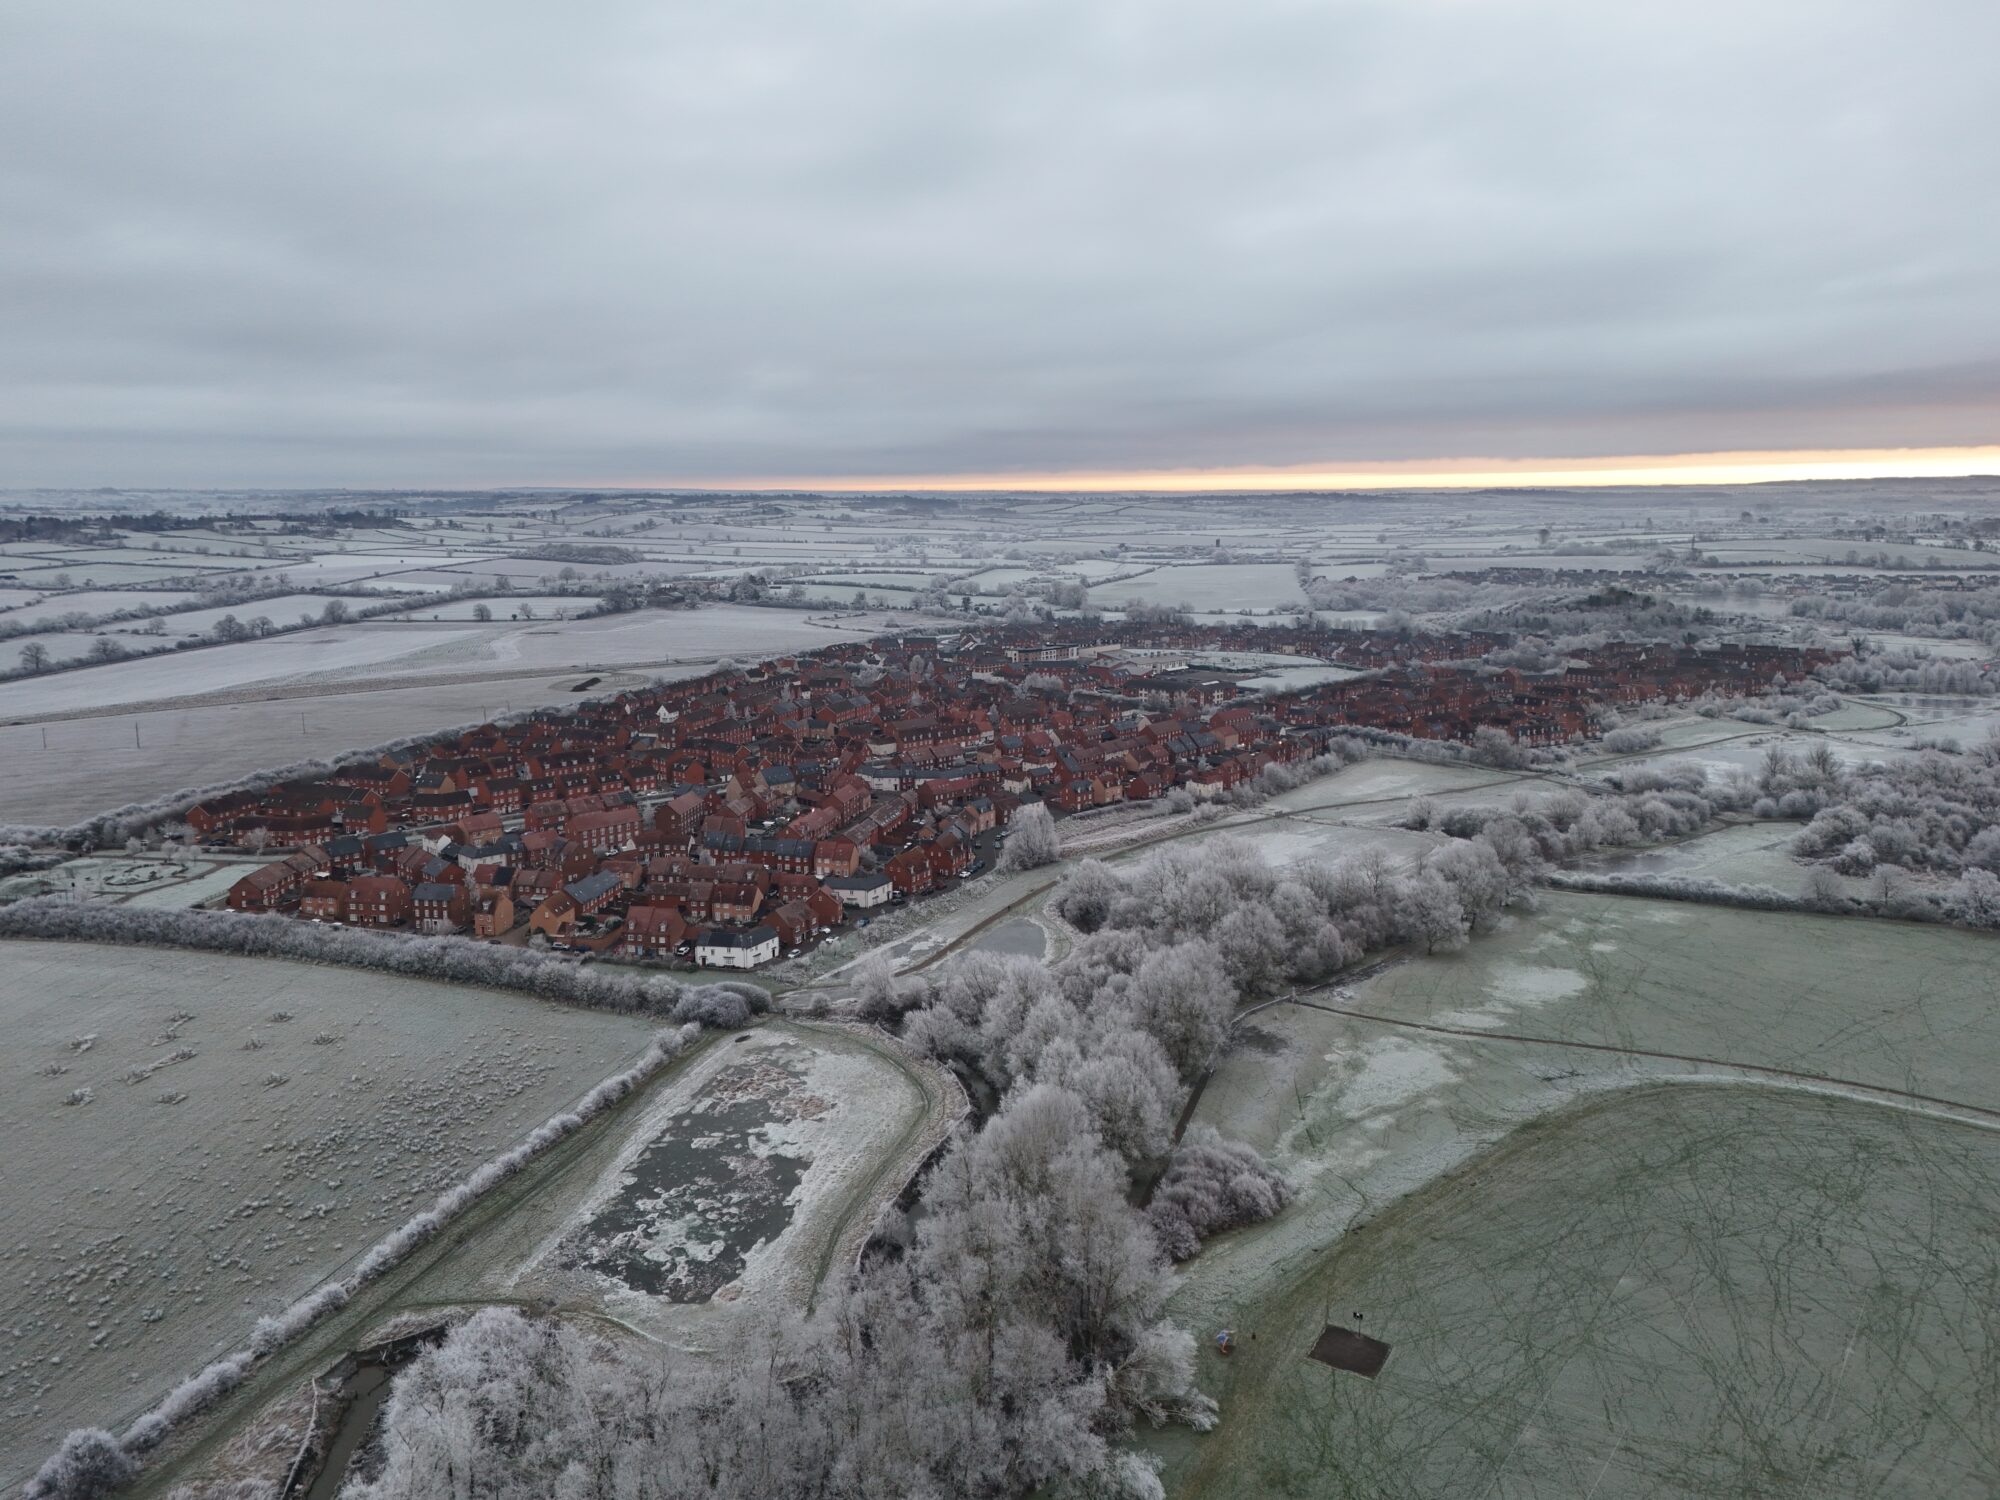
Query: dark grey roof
[
  {"x": 739, "y": 937},
  {"x": 591, "y": 887},
  {"x": 856, "y": 882}
]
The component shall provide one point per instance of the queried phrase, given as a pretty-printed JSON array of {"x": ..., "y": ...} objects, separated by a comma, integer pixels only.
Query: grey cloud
[{"x": 509, "y": 243}]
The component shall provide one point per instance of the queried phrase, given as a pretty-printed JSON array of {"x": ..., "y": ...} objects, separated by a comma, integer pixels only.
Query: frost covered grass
[
  {"x": 157, "y": 1220},
  {"x": 1679, "y": 1292},
  {"x": 1224, "y": 586},
  {"x": 90, "y": 1461},
  {"x": 1358, "y": 1112}
]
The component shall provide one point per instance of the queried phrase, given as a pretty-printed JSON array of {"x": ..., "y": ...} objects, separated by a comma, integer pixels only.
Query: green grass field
[{"x": 1599, "y": 1282}]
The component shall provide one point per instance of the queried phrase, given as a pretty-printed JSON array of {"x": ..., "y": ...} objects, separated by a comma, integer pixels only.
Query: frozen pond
[
  {"x": 711, "y": 1186},
  {"x": 743, "y": 1180},
  {"x": 1019, "y": 937}
]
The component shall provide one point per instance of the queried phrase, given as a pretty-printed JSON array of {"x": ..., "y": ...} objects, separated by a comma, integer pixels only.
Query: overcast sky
[{"x": 504, "y": 242}]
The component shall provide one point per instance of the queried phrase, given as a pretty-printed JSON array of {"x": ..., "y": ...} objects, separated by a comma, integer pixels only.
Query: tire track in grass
[{"x": 1822, "y": 1080}]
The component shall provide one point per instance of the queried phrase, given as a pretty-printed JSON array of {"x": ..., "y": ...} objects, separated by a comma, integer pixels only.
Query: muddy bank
[{"x": 347, "y": 1403}]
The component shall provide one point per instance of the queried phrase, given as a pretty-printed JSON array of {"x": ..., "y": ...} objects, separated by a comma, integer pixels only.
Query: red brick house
[
  {"x": 377, "y": 901},
  {"x": 324, "y": 901},
  {"x": 279, "y": 883},
  {"x": 793, "y": 921},
  {"x": 437, "y": 907},
  {"x": 603, "y": 832},
  {"x": 950, "y": 854},
  {"x": 826, "y": 908},
  {"x": 735, "y": 901},
  {"x": 654, "y": 932},
  {"x": 836, "y": 856},
  {"x": 493, "y": 915},
  {"x": 911, "y": 872},
  {"x": 555, "y": 917}
]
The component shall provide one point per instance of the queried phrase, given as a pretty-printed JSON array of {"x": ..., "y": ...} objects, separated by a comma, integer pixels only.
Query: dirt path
[{"x": 945, "y": 1104}]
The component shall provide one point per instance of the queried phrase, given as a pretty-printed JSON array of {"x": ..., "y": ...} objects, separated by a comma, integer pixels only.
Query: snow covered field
[
  {"x": 90, "y": 764},
  {"x": 38, "y": 606},
  {"x": 1261, "y": 587},
  {"x": 370, "y": 650},
  {"x": 243, "y": 1128},
  {"x": 251, "y": 664},
  {"x": 510, "y": 607}
]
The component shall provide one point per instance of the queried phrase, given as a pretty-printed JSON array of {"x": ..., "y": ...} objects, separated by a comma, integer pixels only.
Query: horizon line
[{"x": 1746, "y": 466}]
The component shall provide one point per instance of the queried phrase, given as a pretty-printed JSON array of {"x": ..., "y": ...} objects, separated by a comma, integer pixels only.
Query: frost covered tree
[
  {"x": 1085, "y": 898},
  {"x": 1028, "y": 1224},
  {"x": 1433, "y": 913},
  {"x": 1822, "y": 890},
  {"x": 884, "y": 995},
  {"x": 1974, "y": 900},
  {"x": 1210, "y": 1185},
  {"x": 1496, "y": 747},
  {"x": 1004, "y": 1352},
  {"x": 89, "y": 1464},
  {"x": 1182, "y": 996},
  {"x": 1032, "y": 841}
]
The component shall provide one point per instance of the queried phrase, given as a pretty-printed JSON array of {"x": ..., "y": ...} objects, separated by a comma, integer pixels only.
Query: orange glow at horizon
[{"x": 1459, "y": 473}]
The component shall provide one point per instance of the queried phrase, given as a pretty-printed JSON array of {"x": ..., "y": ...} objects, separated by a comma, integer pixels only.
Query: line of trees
[
  {"x": 453, "y": 959},
  {"x": 1907, "y": 672},
  {"x": 35, "y": 659},
  {"x": 1936, "y": 813},
  {"x": 1912, "y": 609}
]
